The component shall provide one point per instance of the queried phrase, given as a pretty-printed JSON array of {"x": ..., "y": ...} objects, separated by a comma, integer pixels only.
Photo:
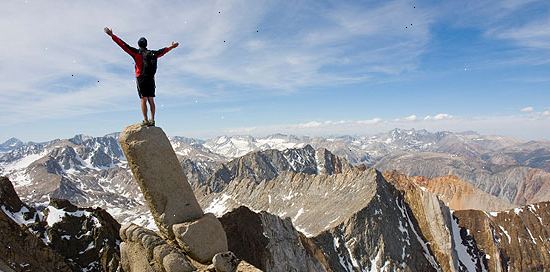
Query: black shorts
[{"x": 146, "y": 86}]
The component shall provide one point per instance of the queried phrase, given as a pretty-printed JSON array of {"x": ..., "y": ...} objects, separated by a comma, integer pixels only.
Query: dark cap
[{"x": 142, "y": 42}]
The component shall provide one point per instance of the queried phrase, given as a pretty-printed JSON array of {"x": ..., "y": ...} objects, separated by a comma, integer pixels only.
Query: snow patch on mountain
[
  {"x": 19, "y": 216},
  {"x": 22, "y": 163},
  {"x": 345, "y": 260},
  {"x": 462, "y": 250},
  {"x": 56, "y": 215},
  {"x": 231, "y": 147},
  {"x": 218, "y": 206}
]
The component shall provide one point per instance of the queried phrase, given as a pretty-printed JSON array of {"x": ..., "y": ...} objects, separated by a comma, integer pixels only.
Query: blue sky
[{"x": 302, "y": 67}]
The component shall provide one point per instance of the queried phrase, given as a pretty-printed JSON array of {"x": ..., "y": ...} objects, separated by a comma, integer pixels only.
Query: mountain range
[
  {"x": 92, "y": 170},
  {"x": 452, "y": 201}
]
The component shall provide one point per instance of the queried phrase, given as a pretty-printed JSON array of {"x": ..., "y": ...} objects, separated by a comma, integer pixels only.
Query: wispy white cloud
[
  {"x": 511, "y": 22},
  {"x": 530, "y": 112},
  {"x": 527, "y": 109},
  {"x": 312, "y": 55},
  {"x": 483, "y": 13},
  {"x": 410, "y": 118},
  {"x": 438, "y": 117},
  {"x": 330, "y": 123},
  {"x": 533, "y": 34}
]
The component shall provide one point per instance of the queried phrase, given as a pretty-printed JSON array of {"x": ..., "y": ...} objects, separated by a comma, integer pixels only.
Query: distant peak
[
  {"x": 12, "y": 141},
  {"x": 112, "y": 135},
  {"x": 79, "y": 138}
]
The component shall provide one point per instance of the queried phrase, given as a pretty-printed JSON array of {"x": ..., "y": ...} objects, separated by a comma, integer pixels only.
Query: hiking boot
[
  {"x": 144, "y": 123},
  {"x": 152, "y": 123}
]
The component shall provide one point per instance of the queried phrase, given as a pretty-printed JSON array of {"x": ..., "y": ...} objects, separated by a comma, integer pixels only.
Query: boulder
[
  {"x": 160, "y": 177},
  {"x": 201, "y": 239},
  {"x": 176, "y": 262},
  {"x": 133, "y": 258},
  {"x": 225, "y": 262}
]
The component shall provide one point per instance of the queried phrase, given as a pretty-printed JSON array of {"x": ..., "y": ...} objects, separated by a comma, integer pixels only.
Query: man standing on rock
[{"x": 146, "y": 67}]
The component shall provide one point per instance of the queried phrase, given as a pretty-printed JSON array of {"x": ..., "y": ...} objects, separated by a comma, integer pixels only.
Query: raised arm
[
  {"x": 128, "y": 49},
  {"x": 161, "y": 52}
]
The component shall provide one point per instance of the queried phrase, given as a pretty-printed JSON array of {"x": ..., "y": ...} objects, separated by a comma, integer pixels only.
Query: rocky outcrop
[
  {"x": 143, "y": 250},
  {"x": 160, "y": 177},
  {"x": 12, "y": 205},
  {"x": 66, "y": 238},
  {"x": 170, "y": 198},
  {"x": 271, "y": 243}
]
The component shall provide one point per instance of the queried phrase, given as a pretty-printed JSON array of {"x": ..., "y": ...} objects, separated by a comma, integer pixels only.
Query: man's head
[{"x": 142, "y": 42}]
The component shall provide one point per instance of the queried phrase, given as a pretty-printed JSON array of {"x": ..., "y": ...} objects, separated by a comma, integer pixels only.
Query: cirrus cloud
[
  {"x": 527, "y": 109},
  {"x": 439, "y": 116}
]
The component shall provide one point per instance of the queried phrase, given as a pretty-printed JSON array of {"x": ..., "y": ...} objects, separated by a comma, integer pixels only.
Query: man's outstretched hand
[
  {"x": 108, "y": 31},
  {"x": 174, "y": 44}
]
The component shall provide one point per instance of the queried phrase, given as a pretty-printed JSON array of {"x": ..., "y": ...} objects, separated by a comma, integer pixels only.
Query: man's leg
[
  {"x": 152, "y": 104},
  {"x": 144, "y": 107}
]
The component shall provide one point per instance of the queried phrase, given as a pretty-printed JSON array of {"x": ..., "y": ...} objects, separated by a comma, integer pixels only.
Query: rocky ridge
[
  {"x": 512, "y": 240},
  {"x": 271, "y": 243},
  {"x": 456, "y": 193},
  {"x": 518, "y": 185},
  {"x": 267, "y": 165},
  {"x": 63, "y": 235}
]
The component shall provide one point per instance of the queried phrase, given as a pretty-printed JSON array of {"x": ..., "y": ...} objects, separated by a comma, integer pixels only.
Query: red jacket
[{"x": 136, "y": 55}]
